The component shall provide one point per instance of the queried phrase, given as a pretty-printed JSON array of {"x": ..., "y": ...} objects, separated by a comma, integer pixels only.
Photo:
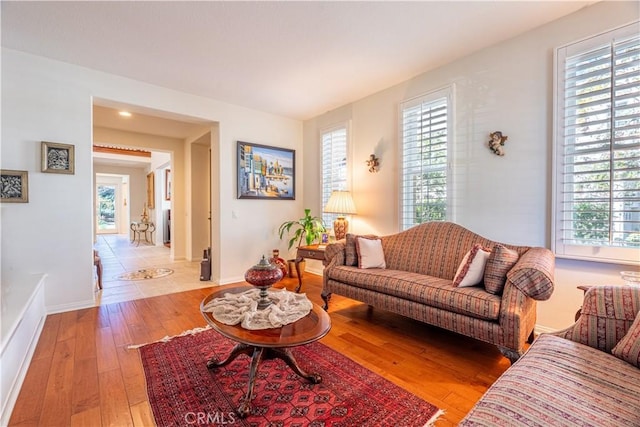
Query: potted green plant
[{"x": 309, "y": 227}]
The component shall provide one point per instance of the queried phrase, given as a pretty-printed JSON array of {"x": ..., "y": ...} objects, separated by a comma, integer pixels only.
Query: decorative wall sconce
[
  {"x": 373, "y": 163},
  {"x": 496, "y": 142}
]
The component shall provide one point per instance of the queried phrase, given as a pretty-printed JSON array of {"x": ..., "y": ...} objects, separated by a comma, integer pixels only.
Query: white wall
[
  {"x": 200, "y": 196},
  {"x": 507, "y": 87},
  {"x": 52, "y": 101}
]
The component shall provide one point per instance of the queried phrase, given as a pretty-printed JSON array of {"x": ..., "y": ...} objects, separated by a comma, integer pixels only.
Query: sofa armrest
[
  {"x": 533, "y": 273},
  {"x": 607, "y": 314},
  {"x": 334, "y": 254}
]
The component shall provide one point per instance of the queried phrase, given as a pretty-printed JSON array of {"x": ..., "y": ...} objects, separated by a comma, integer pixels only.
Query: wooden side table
[{"x": 310, "y": 252}]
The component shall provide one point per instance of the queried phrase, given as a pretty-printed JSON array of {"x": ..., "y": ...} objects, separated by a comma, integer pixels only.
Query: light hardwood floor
[{"x": 83, "y": 373}]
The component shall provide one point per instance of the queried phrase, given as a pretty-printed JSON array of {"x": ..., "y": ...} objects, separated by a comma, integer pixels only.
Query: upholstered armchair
[
  {"x": 585, "y": 375},
  {"x": 607, "y": 314}
]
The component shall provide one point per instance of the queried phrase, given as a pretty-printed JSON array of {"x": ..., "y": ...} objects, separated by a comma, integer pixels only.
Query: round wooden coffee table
[{"x": 267, "y": 343}]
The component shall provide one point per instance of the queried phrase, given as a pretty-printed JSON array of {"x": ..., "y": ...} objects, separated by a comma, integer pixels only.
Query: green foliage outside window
[
  {"x": 106, "y": 206},
  {"x": 591, "y": 222}
]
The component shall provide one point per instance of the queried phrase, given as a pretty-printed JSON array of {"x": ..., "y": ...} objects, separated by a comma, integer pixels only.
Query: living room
[{"x": 507, "y": 87}]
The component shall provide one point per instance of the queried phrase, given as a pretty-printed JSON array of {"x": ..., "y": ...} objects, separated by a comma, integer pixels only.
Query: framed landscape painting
[
  {"x": 14, "y": 186},
  {"x": 266, "y": 172},
  {"x": 58, "y": 158}
]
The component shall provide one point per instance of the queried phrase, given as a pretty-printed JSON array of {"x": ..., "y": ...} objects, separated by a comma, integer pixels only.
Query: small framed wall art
[
  {"x": 58, "y": 158},
  {"x": 14, "y": 186},
  {"x": 266, "y": 172}
]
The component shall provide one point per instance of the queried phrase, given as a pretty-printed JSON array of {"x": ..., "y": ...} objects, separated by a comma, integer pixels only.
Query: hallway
[{"x": 119, "y": 256}]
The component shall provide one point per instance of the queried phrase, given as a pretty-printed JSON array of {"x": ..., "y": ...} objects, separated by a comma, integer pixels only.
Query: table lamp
[{"x": 340, "y": 203}]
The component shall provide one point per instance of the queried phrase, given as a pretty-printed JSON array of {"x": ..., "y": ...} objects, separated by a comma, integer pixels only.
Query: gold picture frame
[
  {"x": 167, "y": 184},
  {"x": 151, "y": 190},
  {"x": 58, "y": 158},
  {"x": 14, "y": 186}
]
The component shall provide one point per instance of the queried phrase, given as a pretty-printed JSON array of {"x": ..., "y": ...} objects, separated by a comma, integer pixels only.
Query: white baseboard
[
  {"x": 62, "y": 308},
  {"x": 317, "y": 271},
  {"x": 229, "y": 280},
  {"x": 539, "y": 329}
]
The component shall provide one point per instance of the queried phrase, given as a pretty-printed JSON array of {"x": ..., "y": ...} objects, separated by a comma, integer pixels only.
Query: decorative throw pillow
[
  {"x": 628, "y": 348},
  {"x": 471, "y": 269},
  {"x": 351, "y": 253},
  {"x": 370, "y": 253},
  {"x": 500, "y": 261}
]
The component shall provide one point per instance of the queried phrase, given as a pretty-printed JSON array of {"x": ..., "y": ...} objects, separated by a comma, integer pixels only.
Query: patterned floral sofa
[
  {"x": 586, "y": 375},
  {"x": 418, "y": 282}
]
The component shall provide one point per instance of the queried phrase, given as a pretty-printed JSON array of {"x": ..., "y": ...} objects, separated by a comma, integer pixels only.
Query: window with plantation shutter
[
  {"x": 597, "y": 148},
  {"x": 334, "y": 165},
  {"x": 426, "y": 138}
]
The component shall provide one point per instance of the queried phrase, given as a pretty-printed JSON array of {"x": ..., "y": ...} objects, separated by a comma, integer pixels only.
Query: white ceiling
[
  {"x": 147, "y": 121},
  {"x": 297, "y": 59},
  {"x": 142, "y": 120}
]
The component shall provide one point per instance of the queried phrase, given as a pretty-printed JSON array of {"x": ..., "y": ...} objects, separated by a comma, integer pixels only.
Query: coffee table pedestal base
[{"x": 258, "y": 354}]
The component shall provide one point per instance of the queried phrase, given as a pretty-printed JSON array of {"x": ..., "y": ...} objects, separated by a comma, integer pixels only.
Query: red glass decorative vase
[
  {"x": 263, "y": 275},
  {"x": 282, "y": 265}
]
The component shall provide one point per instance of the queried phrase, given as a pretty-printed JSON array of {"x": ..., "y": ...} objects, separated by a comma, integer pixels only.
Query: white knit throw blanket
[{"x": 231, "y": 309}]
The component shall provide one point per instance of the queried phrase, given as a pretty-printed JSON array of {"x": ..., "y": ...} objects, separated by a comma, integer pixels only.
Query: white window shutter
[
  {"x": 426, "y": 138},
  {"x": 597, "y": 211}
]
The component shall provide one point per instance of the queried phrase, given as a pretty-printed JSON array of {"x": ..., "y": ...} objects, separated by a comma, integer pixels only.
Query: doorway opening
[
  {"x": 107, "y": 219},
  {"x": 112, "y": 210},
  {"x": 178, "y": 158}
]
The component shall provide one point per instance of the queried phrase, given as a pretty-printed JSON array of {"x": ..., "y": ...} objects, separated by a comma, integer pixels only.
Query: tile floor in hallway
[{"x": 119, "y": 256}]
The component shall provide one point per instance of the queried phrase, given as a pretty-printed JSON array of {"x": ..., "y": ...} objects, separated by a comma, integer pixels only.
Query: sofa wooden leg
[
  {"x": 326, "y": 298},
  {"x": 512, "y": 355}
]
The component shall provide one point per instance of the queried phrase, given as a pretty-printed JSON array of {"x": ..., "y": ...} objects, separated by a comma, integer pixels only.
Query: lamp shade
[{"x": 341, "y": 203}]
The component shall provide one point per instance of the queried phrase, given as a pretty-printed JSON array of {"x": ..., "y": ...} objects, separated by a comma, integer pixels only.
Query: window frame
[
  {"x": 329, "y": 218},
  {"x": 561, "y": 248},
  {"x": 448, "y": 93}
]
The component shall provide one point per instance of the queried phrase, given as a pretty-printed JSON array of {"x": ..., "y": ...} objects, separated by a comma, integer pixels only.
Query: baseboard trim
[
  {"x": 539, "y": 329},
  {"x": 62, "y": 308}
]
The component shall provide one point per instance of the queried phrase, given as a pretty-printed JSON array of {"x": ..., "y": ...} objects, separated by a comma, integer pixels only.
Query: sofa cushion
[
  {"x": 561, "y": 383},
  {"x": 350, "y": 251},
  {"x": 501, "y": 260},
  {"x": 533, "y": 273},
  {"x": 370, "y": 253},
  {"x": 433, "y": 291},
  {"x": 471, "y": 269},
  {"x": 628, "y": 349}
]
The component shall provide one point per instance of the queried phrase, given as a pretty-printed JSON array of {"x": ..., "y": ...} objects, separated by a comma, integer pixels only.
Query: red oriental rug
[{"x": 183, "y": 392}]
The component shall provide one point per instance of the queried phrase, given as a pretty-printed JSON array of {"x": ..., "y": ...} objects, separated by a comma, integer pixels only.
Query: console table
[
  {"x": 311, "y": 252},
  {"x": 143, "y": 227}
]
